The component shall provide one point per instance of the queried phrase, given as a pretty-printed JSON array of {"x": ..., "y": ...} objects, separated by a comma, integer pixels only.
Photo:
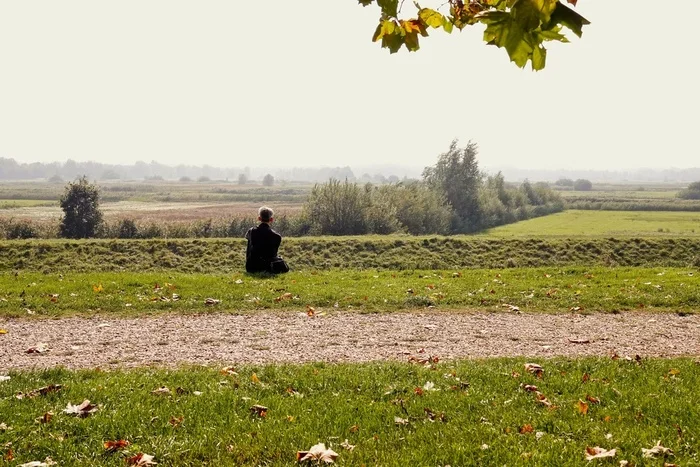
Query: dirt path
[{"x": 343, "y": 337}]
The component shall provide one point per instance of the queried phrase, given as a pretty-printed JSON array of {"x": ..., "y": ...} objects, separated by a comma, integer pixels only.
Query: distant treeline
[{"x": 69, "y": 170}]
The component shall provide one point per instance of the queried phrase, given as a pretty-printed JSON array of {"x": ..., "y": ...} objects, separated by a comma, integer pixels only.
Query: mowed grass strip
[
  {"x": 576, "y": 223},
  {"x": 528, "y": 289},
  {"x": 395, "y": 414},
  {"x": 390, "y": 252}
]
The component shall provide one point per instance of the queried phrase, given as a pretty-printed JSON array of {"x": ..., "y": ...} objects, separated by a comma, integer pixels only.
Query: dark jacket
[{"x": 263, "y": 243}]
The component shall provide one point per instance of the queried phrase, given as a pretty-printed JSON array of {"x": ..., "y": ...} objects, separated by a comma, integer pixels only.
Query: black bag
[{"x": 278, "y": 266}]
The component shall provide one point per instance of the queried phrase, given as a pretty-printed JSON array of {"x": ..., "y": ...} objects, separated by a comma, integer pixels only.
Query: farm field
[
  {"x": 484, "y": 412},
  {"x": 583, "y": 223}
]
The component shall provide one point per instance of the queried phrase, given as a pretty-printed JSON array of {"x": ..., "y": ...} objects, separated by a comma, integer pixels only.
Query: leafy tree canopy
[{"x": 521, "y": 27}]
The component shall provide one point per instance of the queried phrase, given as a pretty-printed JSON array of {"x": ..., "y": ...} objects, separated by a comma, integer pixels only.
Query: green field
[
  {"x": 447, "y": 413},
  {"x": 574, "y": 223}
]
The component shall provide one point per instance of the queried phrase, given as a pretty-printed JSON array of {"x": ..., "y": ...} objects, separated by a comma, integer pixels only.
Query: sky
[{"x": 299, "y": 83}]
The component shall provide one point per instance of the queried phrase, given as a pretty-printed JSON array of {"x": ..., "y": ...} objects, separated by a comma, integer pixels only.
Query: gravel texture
[{"x": 262, "y": 337}]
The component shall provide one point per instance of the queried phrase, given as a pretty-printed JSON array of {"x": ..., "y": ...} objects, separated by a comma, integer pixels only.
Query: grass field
[
  {"x": 529, "y": 289},
  {"x": 574, "y": 223},
  {"x": 445, "y": 413}
]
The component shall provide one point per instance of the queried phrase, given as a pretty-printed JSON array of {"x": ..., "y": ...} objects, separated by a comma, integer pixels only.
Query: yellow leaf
[
  {"x": 98, "y": 288},
  {"x": 254, "y": 378},
  {"x": 3, "y": 331},
  {"x": 582, "y": 407},
  {"x": 674, "y": 372}
]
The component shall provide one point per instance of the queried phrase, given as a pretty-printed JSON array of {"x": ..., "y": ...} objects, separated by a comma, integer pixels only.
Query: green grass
[
  {"x": 530, "y": 289},
  {"x": 574, "y": 223},
  {"x": 391, "y": 252},
  {"x": 640, "y": 403},
  {"x": 23, "y": 203}
]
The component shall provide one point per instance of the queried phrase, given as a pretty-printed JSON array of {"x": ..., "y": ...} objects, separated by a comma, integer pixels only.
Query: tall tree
[
  {"x": 81, "y": 209},
  {"x": 456, "y": 175}
]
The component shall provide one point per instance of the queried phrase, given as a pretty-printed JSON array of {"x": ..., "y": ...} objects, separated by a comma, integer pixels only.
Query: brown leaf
[
  {"x": 592, "y": 400},
  {"x": 541, "y": 399},
  {"x": 212, "y": 301},
  {"x": 535, "y": 369},
  {"x": 317, "y": 453},
  {"x": 259, "y": 410},
  {"x": 346, "y": 445},
  {"x": 599, "y": 453},
  {"x": 46, "y": 418},
  {"x": 161, "y": 391},
  {"x": 528, "y": 387},
  {"x": 113, "y": 446},
  {"x": 580, "y": 341},
  {"x": 51, "y": 388},
  {"x": 254, "y": 378},
  {"x": 582, "y": 407},
  {"x": 284, "y": 296},
  {"x": 354, "y": 429},
  {"x": 525, "y": 429},
  {"x": 176, "y": 421},
  {"x": 585, "y": 378},
  {"x": 229, "y": 371},
  {"x": 310, "y": 311},
  {"x": 39, "y": 348}
]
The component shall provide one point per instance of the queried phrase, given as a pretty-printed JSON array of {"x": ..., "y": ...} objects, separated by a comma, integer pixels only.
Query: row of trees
[
  {"x": 692, "y": 192},
  {"x": 453, "y": 197}
]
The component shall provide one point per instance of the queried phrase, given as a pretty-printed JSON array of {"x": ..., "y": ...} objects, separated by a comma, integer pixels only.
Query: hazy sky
[{"x": 299, "y": 83}]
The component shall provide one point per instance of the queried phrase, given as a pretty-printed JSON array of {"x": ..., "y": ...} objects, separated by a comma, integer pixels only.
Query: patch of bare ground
[{"x": 294, "y": 337}]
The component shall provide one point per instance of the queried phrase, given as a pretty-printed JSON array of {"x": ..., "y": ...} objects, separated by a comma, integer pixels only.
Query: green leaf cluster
[{"x": 521, "y": 27}]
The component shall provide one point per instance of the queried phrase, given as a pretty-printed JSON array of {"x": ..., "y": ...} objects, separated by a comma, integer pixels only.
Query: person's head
[{"x": 265, "y": 214}]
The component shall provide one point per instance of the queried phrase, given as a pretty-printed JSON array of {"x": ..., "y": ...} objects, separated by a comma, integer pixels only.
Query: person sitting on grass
[{"x": 263, "y": 243}]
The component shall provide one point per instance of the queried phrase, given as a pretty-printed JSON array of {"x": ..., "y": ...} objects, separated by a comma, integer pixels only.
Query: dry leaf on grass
[
  {"x": 400, "y": 421},
  {"x": 39, "y": 392},
  {"x": 46, "y": 418},
  {"x": 259, "y": 410},
  {"x": 535, "y": 369},
  {"x": 592, "y": 400},
  {"x": 176, "y": 421},
  {"x": 284, "y": 296},
  {"x": 599, "y": 453},
  {"x": 161, "y": 391},
  {"x": 657, "y": 451},
  {"x": 528, "y": 387},
  {"x": 582, "y": 407},
  {"x": 4, "y": 427},
  {"x": 140, "y": 459},
  {"x": 212, "y": 301},
  {"x": 4, "y": 378},
  {"x": 317, "y": 453},
  {"x": 82, "y": 410},
  {"x": 112, "y": 446},
  {"x": 47, "y": 462},
  {"x": 346, "y": 445},
  {"x": 525, "y": 429}
]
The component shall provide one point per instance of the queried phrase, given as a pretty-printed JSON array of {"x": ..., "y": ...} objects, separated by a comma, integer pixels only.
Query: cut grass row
[
  {"x": 528, "y": 289},
  {"x": 366, "y": 252},
  {"x": 449, "y": 413}
]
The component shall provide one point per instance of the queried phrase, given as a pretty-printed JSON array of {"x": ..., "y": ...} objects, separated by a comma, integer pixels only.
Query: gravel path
[{"x": 343, "y": 337}]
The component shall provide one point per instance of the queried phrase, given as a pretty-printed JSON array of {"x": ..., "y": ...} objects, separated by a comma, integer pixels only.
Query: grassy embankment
[
  {"x": 530, "y": 289},
  {"x": 476, "y": 413}
]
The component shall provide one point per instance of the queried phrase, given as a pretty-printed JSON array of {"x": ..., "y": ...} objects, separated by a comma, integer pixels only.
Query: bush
[
  {"x": 20, "y": 230},
  {"x": 128, "y": 229},
  {"x": 80, "y": 203},
  {"x": 268, "y": 180},
  {"x": 692, "y": 192},
  {"x": 583, "y": 185}
]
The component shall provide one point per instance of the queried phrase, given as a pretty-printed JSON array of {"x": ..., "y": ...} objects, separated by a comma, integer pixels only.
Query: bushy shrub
[
  {"x": 80, "y": 203},
  {"x": 128, "y": 229}
]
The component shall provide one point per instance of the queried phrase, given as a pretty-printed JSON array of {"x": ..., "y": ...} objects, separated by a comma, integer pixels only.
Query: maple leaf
[
  {"x": 140, "y": 459},
  {"x": 317, "y": 453},
  {"x": 657, "y": 451},
  {"x": 113, "y": 446},
  {"x": 82, "y": 410},
  {"x": 599, "y": 453}
]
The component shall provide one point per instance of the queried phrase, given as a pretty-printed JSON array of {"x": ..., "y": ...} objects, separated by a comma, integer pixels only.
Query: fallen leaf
[
  {"x": 39, "y": 348},
  {"x": 46, "y": 418},
  {"x": 259, "y": 410},
  {"x": 4, "y": 378},
  {"x": 98, "y": 288},
  {"x": 317, "y": 453},
  {"x": 582, "y": 407},
  {"x": 3, "y": 331},
  {"x": 284, "y": 296},
  {"x": 229, "y": 370},
  {"x": 211, "y": 301},
  {"x": 254, "y": 378},
  {"x": 161, "y": 391},
  {"x": 429, "y": 386},
  {"x": 346, "y": 445},
  {"x": 354, "y": 429},
  {"x": 113, "y": 446},
  {"x": 599, "y": 453},
  {"x": 4, "y": 427},
  {"x": 585, "y": 378},
  {"x": 657, "y": 451},
  {"x": 39, "y": 392},
  {"x": 140, "y": 459},
  {"x": 580, "y": 341},
  {"x": 541, "y": 399},
  {"x": 592, "y": 400},
  {"x": 525, "y": 429},
  {"x": 310, "y": 311},
  {"x": 535, "y": 369},
  {"x": 400, "y": 421},
  {"x": 176, "y": 421},
  {"x": 674, "y": 372},
  {"x": 47, "y": 462},
  {"x": 528, "y": 387},
  {"x": 82, "y": 410},
  {"x": 238, "y": 281}
]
